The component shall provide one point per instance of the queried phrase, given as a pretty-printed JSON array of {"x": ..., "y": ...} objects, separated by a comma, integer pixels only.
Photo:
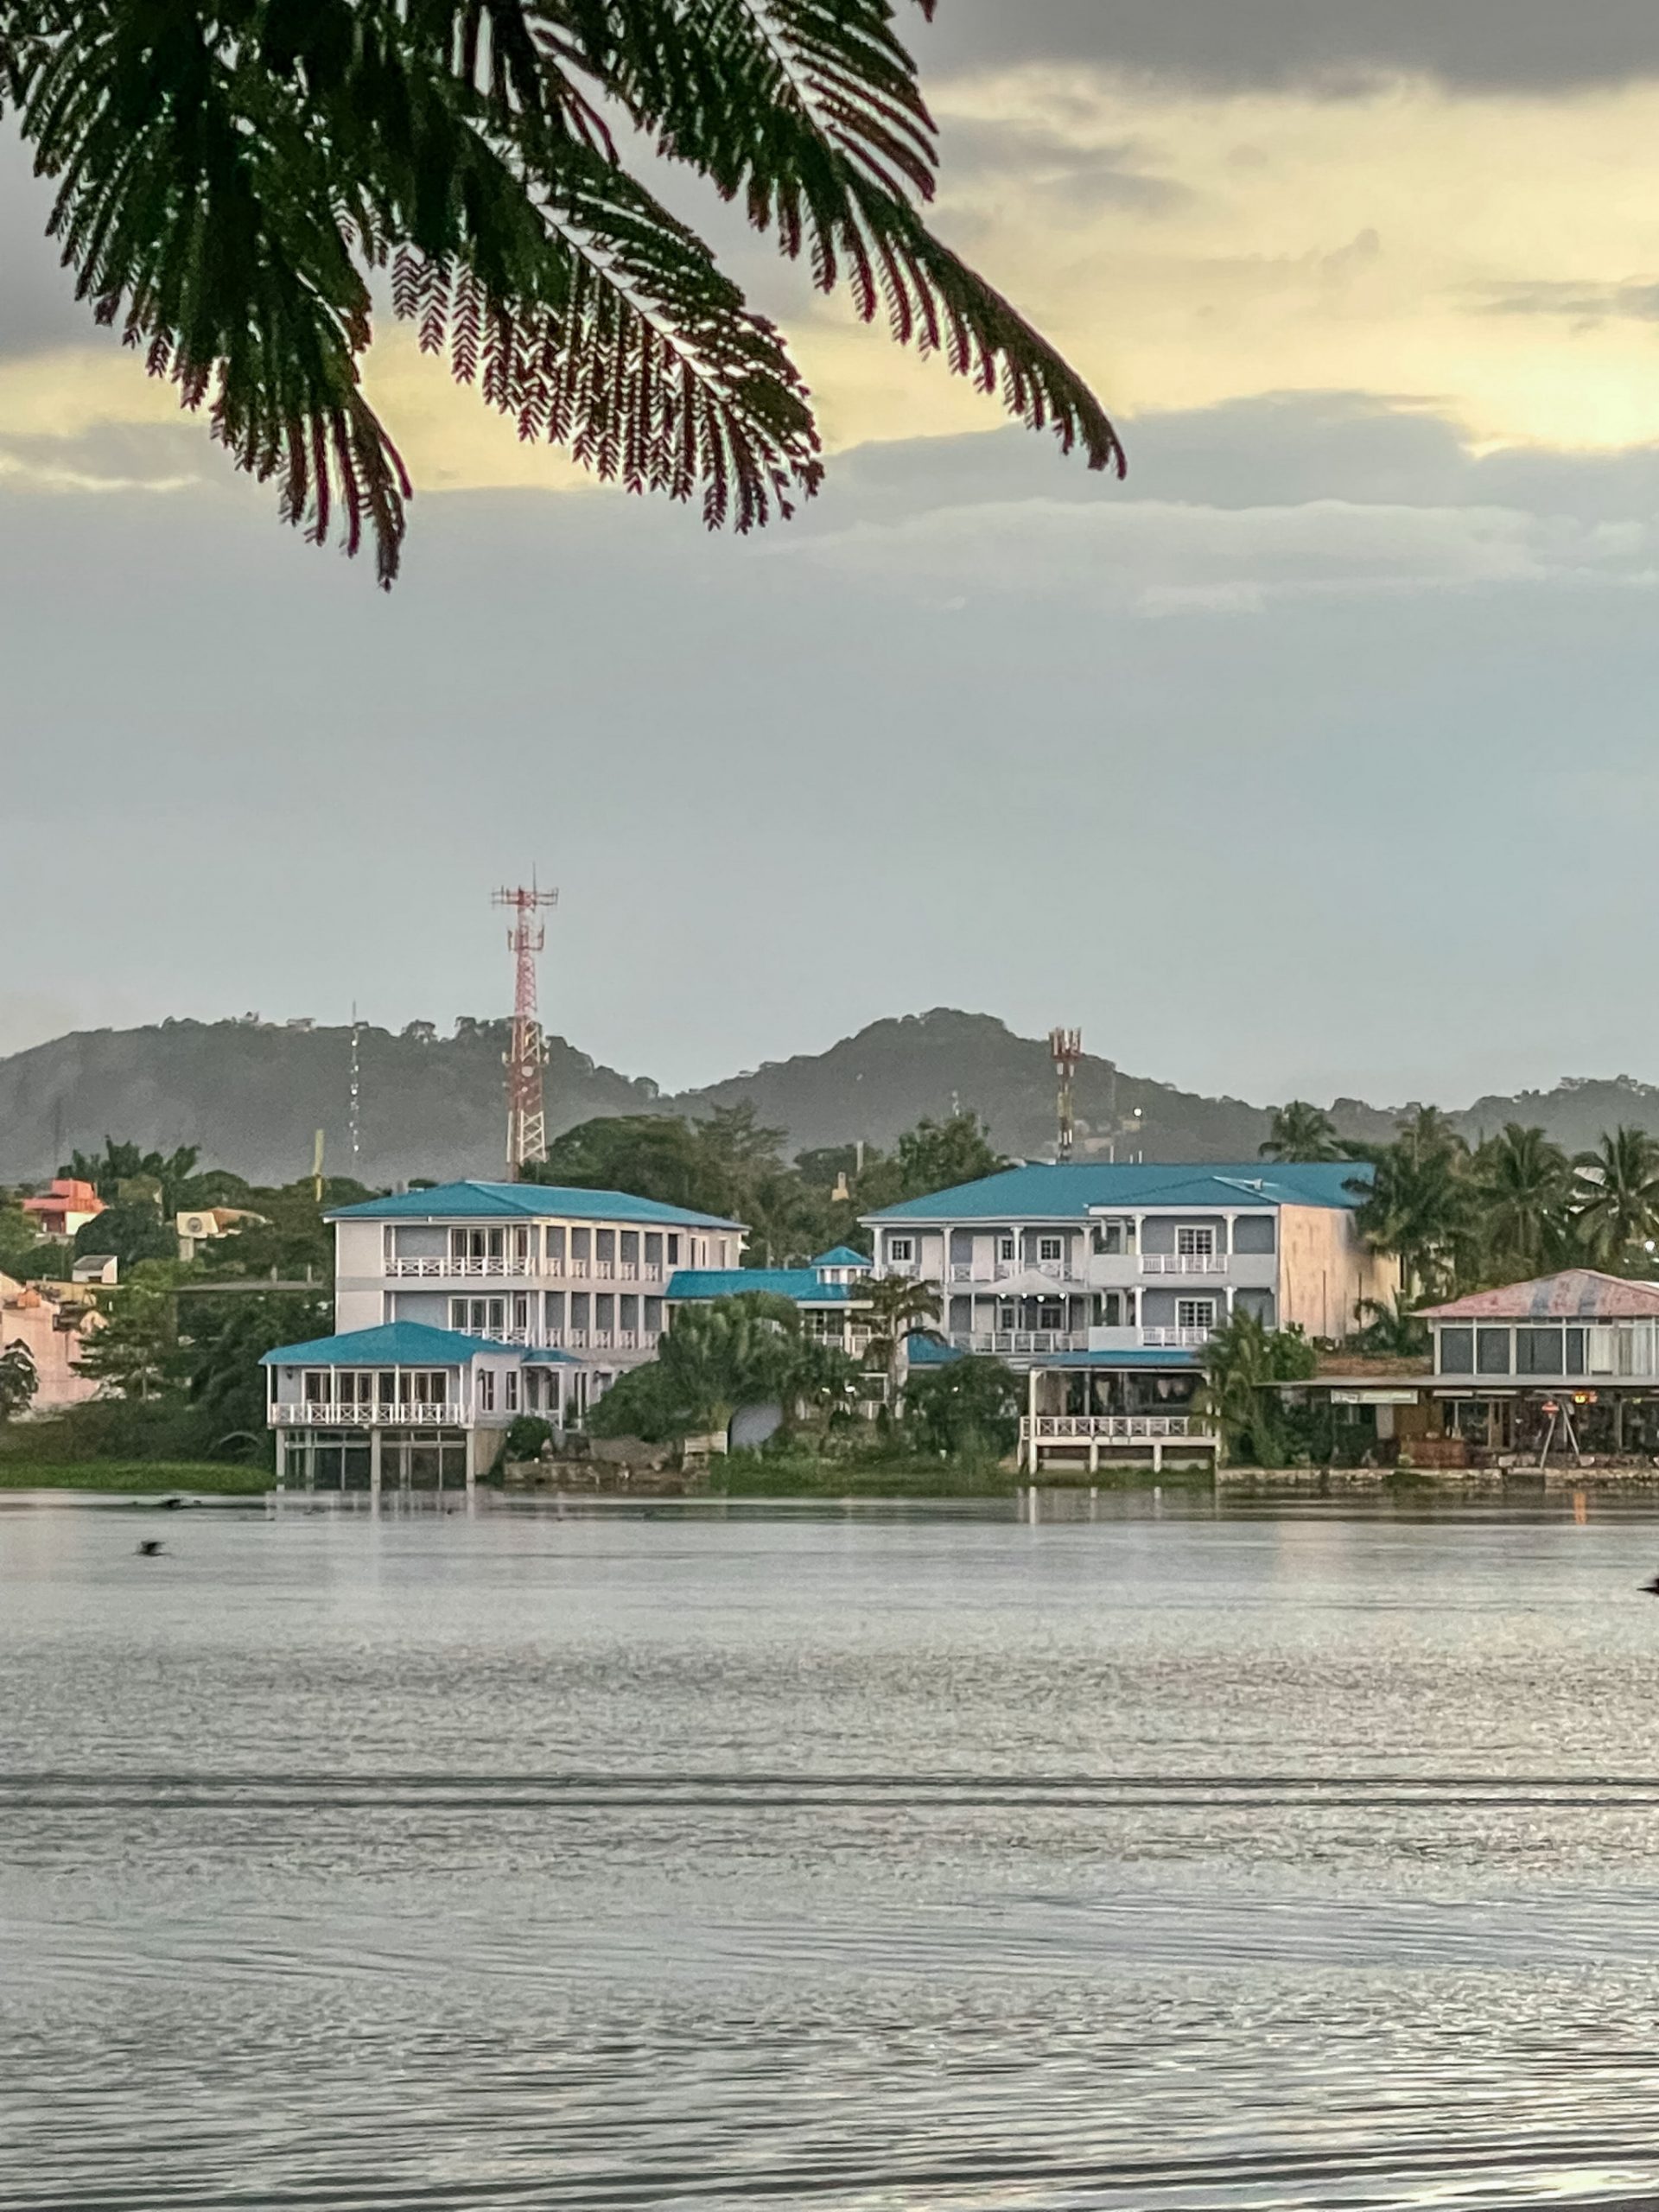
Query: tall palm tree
[
  {"x": 1525, "y": 1184},
  {"x": 895, "y": 1307},
  {"x": 1300, "y": 1132},
  {"x": 1419, "y": 1202},
  {"x": 1618, "y": 1196},
  {"x": 234, "y": 180}
]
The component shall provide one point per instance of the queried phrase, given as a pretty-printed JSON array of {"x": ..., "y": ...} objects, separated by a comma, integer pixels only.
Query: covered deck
[{"x": 1089, "y": 1410}]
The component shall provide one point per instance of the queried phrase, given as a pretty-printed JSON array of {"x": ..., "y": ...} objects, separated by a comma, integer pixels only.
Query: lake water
[{"x": 861, "y": 1860}]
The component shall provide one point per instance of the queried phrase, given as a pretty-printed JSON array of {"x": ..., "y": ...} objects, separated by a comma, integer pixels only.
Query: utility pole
[
  {"x": 526, "y": 1055},
  {"x": 1065, "y": 1050}
]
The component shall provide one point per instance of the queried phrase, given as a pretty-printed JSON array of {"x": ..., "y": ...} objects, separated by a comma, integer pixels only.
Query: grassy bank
[{"x": 145, "y": 1478}]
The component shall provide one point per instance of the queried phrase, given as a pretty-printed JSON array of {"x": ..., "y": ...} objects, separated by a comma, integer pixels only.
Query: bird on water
[
  {"x": 1651, "y": 1589},
  {"x": 148, "y": 1546}
]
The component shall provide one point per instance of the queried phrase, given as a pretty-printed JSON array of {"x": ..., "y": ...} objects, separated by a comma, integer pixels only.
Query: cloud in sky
[{"x": 1334, "y": 46}]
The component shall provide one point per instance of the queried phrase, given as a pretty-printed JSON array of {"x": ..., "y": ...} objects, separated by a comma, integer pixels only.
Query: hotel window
[
  {"x": 1538, "y": 1351},
  {"x": 901, "y": 1248},
  {"x": 630, "y": 1246},
  {"x": 1196, "y": 1243},
  {"x": 1491, "y": 1351},
  {"x": 512, "y": 1387},
  {"x": 1051, "y": 1315},
  {"x": 1005, "y": 1248},
  {"x": 673, "y": 1251},
  {"x": 1195, "y": 1313},
  {"x": 521, "y": 1313},
  {"x": 654, "y": 1254},
  {"x": 1049, "y": 1248},
  {"x": 1109, "y": 1238},
  {"x": 1457, "y": 1348},
  {"x": 486, "y": 1390},
  {"x": 555, "y": 1251},
  {"x": 458, "y": 1311},
  {"x": 316, "y": 1386}
]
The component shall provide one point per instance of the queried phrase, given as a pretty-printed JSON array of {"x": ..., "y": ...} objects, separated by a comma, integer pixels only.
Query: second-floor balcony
[
  {"x": 446, "y": 1265},
  {"x": 329, "y": 1412},
  {"x": 447, "y": 1268},
  {"x": 1004, "y": 1344},
  {"x": 1184, "y": 1263},
  {"x": 990, "y": 1273}
]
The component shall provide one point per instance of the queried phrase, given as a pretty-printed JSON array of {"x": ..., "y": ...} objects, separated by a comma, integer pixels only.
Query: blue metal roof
[
  {"x": 1140, "y": 1360},
  {"x": 1037, "y": 1193},
  {"x": 928, "y": 1351},
  {"x": 689, "y": 1284},
  {"x": 526, "y": 1201},
  {"x": 545, "y": 1355},
  {"x": 843, "y": 1257},
  {"x": 394, "y": 1344}
]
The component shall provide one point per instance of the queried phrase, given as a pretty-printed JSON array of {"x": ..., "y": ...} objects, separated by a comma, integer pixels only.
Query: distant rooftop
[
  {"x": 1039, "y": 1192},
  {"x": 1575, "y": 1294},
  {"x": 394, "y": 1343},
  {"x": 843, "y": 1256},
  {"x": 695, "y": 1285},
  {"x": 526, "y": 1201}
]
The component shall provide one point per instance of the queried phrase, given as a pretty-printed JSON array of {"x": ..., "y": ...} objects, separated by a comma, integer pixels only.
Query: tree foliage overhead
[{"x": 234, "y": 175}]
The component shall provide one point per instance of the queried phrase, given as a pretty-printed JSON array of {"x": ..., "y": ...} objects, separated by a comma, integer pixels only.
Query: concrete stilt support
[{"x": 376, "y": 1448}]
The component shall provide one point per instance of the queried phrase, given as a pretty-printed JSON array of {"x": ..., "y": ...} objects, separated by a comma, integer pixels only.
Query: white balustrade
[
  {"x": 1002, "y": 1342},
  {"x": 1116, "y": 1428},
  {"x": 1183, "y": 1263},
  {"x": 1175, "y": 1338},
  {"x": 322, "y": 1413}
]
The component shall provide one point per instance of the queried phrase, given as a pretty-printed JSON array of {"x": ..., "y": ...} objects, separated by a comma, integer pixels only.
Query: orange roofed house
[{"x": 63, "y": 1207}]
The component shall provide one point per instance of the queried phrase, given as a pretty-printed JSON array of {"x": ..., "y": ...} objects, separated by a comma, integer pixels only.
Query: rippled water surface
[{"x": 864, "y": 1861}]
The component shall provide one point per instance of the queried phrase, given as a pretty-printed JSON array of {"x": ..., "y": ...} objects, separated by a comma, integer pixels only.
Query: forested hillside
[{"x": 252, "y": 1096}]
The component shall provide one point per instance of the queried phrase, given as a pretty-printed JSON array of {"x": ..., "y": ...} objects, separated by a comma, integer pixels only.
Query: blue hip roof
[
  {"x": 527, "y": 1201},
  {"x": 1036, "y": 1192}
]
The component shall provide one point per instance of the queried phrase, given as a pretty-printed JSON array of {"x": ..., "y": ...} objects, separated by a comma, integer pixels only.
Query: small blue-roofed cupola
[{"x": 842, "y": 1265}]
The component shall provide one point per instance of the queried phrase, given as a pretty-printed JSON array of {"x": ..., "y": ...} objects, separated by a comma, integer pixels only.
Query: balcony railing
[
  {"x": 985, "y": 1272},
  {"x": 1002, "y": 1342},
  {"x": 1114, "y": 1428},
  {"x": 1183, "y": 1263},
  {"x": 1176, "y": 1338},
  {"x": 449, "y": 1265},
  {"x": 323, "y": 1413},
  {"x": 555, "y": 1268}
]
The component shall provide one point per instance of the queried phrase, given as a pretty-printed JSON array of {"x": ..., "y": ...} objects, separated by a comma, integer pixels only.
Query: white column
[
  {"x": 375, "y": 1446},
  {"x": 1031, "y": 1409}
]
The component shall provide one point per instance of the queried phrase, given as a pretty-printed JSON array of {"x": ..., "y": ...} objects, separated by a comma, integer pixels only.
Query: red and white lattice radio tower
[
  {"x": 1065, "y": 1050},
  {"x": 527, "y": 1054}
]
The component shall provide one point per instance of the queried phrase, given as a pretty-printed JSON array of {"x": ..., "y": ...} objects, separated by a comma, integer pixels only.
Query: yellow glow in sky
[{"x": 1482, "y": 256}]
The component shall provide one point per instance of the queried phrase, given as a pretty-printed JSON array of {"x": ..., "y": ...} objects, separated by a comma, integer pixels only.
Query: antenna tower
[
  {"x": 527, "y": 1054},
  {"x": 1065, "y": 1050}
]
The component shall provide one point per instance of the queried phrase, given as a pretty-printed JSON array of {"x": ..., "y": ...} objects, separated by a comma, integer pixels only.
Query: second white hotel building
[{"x": 1132, "y": 1259}]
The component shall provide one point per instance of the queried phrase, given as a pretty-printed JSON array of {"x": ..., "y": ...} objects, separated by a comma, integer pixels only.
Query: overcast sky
[{"x": 1321, "y": 758}]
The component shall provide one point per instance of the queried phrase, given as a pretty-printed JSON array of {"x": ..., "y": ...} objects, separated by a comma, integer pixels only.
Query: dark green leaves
[{"x": 232, "y": 176}]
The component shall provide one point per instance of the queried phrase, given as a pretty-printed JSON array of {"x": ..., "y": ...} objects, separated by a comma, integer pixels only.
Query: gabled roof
[
  {"x": 1037, "y": 1193},
  {"x": 843, "y": 1257},
  {"x": 1575, "y": 1294},
  {"x": 526, "y": 1201},
  {"x": 394, "y": 1344},
  {"x": 690, "y": 1285}
]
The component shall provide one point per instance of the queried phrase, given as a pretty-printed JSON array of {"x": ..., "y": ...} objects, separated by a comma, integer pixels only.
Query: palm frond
[{"x": 808, "y": 110}]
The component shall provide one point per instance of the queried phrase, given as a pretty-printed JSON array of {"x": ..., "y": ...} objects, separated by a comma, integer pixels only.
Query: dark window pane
[
  {"x": 1574, "y": 1351},
  {"x": 1491, "y": 1351},
  {"x": 1457, "y": 1351},
  {"x": 1538, "y": 1351}
]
